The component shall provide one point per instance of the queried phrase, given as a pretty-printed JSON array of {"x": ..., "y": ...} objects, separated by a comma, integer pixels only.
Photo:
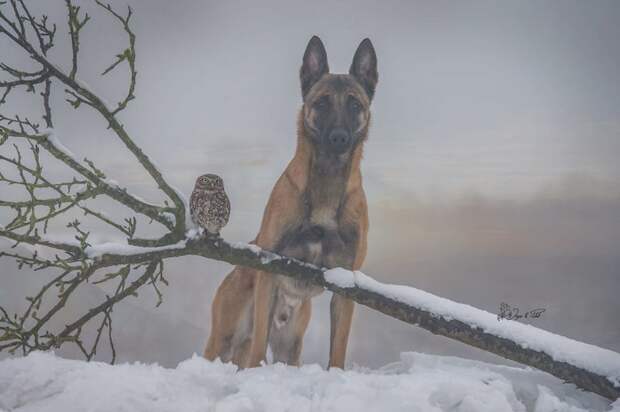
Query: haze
[{"x": 491, "y": 170}]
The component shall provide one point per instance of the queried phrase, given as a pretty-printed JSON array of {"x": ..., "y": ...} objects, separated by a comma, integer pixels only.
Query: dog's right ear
[
  {"x": 364, "y": 67},
  {"x": 314, "y": 65}
]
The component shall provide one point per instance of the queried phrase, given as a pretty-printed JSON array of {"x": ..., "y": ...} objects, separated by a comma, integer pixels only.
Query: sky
[{"x": 491, "y": 166}]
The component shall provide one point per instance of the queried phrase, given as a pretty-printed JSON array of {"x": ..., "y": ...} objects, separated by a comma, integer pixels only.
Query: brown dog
[{"x": 317, "y": 213}]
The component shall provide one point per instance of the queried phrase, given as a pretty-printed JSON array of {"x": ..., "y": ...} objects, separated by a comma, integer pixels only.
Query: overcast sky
[{"x": 491, "y": 168}]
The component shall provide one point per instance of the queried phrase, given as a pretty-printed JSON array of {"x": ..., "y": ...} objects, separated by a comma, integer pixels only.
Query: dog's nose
[{"x": 339, "y": 139}]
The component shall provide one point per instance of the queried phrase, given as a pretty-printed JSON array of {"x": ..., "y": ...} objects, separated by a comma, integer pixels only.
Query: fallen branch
[{"x": 588, "y": 367}]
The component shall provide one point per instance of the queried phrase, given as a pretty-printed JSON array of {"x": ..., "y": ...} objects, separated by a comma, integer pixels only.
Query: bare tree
[{"x": 138, "y": 263}]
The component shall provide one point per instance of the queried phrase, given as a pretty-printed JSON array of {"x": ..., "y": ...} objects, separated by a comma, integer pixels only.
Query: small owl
[{"x": 209, "y": 205}]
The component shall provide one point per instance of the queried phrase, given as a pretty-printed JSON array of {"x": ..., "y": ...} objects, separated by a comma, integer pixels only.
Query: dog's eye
[
  {"x": 321, "y": 104},
  {"x": 355, "y": 105}
]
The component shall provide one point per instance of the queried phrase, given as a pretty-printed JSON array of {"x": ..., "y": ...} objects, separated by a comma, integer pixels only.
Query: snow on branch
[{"x": 589, "y": 367}]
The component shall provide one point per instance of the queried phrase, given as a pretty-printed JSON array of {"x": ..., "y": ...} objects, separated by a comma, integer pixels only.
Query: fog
[{"x": 491, "y": 167}]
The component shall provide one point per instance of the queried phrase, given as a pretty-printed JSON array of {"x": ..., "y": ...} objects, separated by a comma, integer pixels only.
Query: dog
[{"x": 317, "y": 212}]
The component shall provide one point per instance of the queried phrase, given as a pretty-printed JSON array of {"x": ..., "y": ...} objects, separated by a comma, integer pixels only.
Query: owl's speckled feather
[{"x": 209, "y": 204}]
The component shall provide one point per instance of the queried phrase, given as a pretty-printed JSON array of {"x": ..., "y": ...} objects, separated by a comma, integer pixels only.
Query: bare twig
[
  {"x": 75, "y": 25},
  {"x": 129, "y": 55}
]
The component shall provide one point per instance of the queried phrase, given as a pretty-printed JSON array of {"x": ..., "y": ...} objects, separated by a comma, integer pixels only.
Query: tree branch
[
  {"x": 451, "y": 327},
  {"x": 115, "y": 192}
]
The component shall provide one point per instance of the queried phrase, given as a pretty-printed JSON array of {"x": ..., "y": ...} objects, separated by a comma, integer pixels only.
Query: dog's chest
[
  {"x": 324, "y": 216},
  {"x": 315, "y": 237},
  {"x": 310, "y": 240}
]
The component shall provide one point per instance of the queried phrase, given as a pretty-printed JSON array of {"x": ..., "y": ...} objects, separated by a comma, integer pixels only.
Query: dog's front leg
[
  {"x": 347, "y": 250},
  {"x": 264, "y": 296},
  {"x": 341, "y": 310}
]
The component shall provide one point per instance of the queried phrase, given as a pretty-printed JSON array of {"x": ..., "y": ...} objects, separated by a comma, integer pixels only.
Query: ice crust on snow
[
  {"x": 44, "y": 382},
  {"x": 592, "y": 358}
]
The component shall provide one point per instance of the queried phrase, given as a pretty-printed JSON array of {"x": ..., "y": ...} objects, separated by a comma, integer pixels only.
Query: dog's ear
[
  {"x": 314, "y": 65},
  {"x": 364, "y": 67}
]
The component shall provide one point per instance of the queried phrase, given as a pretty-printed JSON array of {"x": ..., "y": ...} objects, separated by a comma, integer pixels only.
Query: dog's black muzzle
[{"x": 338, "y": 141}]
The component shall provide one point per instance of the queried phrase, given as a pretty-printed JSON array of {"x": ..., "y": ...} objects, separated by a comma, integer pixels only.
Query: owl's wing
[
  {"x": 227, "y": 208},
  {"x": 199, "y": 206},
  {"x": 193, "y": 203}
]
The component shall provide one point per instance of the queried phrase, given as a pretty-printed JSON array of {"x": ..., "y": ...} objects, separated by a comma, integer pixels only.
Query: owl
[{"x": 209, "y": 205}]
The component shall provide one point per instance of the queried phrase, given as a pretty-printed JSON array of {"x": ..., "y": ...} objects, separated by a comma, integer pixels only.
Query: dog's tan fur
[{"x": 252, "y": 308}]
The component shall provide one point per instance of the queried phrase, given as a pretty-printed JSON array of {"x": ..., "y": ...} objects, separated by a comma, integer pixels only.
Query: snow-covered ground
[{"x": 419, "y": 382}]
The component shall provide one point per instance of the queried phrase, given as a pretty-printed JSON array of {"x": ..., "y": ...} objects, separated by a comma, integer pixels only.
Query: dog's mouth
[
  {"x": 330, "y": 164},
  {"x": 334, "y": 153}
]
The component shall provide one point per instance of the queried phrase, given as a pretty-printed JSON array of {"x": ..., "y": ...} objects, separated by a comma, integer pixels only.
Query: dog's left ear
[
  {"x": 364, "y": 67},
  {"x": 314, "y": 64}
]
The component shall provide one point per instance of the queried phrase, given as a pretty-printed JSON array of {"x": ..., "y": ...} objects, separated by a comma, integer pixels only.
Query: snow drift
[{"x": 44, "y": 382}]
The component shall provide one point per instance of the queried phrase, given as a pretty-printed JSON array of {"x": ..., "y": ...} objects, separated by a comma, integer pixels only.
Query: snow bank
[
  {"x": 589, "y": 357},
  {"x": 44, "y": 382}
]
